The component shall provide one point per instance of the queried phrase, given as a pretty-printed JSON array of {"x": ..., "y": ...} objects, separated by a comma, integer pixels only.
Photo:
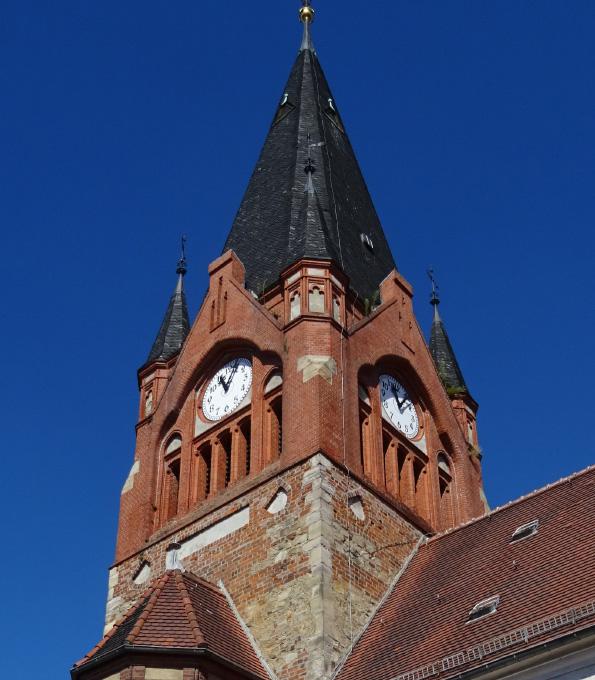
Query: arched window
[
  {"x": 245, "y": 446},
  {"x": 445, "y": 491},
  {"x": 202, "y": 472},
  {"x": 172, "y": 489},
  {"x": 174, "y": 443},
  {"x": 316, "y": 300},
  {"x": 443, "y": 463},
  {"x": 225, "y": 442},
  {"x": 365, "y": 433},
  {"x": 391, "y": 464},
  {"x": 273, "y": 429},
  {"x": 171, "y": 482}
]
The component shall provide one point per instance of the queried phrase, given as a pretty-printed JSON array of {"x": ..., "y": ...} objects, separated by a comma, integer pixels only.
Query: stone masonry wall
[{"x": 305, "y": 566}]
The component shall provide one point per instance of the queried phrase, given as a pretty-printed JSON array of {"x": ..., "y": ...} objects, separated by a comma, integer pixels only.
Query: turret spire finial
[
  {"x": 434, "y": 300},
  {"x": 182, "y": 262},
  {"x": 306, "y": 17}
]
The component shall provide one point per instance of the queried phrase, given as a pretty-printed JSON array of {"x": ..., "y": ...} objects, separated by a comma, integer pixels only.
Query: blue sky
[{"x": 128, "y": 124}]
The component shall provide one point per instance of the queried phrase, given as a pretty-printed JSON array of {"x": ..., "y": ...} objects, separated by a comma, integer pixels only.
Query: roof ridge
[
  {"x": 224, "y": 592},
  {"x": 189, "y": 608},
  {"x": 158, "y": 589},
  {"x": 531, "y": 494}
]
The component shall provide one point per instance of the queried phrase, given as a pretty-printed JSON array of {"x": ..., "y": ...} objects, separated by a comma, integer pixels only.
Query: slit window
[
  {"x": 525, "y": 530},
  {"x": 484, "y": 608}
]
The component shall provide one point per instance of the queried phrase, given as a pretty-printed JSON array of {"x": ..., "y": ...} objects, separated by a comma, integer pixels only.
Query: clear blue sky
[{"x": 127, "y": 124}]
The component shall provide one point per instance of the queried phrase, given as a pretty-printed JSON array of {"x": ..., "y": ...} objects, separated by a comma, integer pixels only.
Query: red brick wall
[{"x": 314, "y": 411}]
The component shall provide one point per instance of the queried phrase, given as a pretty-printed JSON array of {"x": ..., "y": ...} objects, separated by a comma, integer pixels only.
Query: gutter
[
  {"x": 518, "y": 657},
  {"x": 178, "y": 652}
]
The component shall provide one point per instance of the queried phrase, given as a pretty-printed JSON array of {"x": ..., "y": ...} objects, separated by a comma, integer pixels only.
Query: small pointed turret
[
  {"x": 176, "y": 323},
  {"x": 440, "y": 348},
  {"x": 325, "y": 213}
]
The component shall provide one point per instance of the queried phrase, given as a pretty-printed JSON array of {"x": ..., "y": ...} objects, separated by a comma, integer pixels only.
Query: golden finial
[{"x": 306, "y": 12}]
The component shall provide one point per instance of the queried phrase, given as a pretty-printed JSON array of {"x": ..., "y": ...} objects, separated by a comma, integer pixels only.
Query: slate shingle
[
  {"x": 174, "y": 327},
  {"x": 280, "y": 222},
  {"x": 443, "y": 354}
]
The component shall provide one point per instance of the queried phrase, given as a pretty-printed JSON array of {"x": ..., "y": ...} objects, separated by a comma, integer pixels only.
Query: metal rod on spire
[
  {"x": 182, "y": 262},
  {"x": 434, "y": 300},
  {"x": 306, "y": 17}
]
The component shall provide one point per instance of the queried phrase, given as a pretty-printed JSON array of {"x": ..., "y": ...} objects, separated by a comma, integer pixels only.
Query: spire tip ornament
[
  {"x": 306, "y": 17},
  {"x": 306, "y": 12},
  {"x": 434, "y": 300},
  {"x": 182, "y": 262}
]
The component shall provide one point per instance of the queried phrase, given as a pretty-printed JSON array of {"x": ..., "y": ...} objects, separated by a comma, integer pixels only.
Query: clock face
[
  {"x": 227, "y": 388},
  {"x": 398, "y": 406}
]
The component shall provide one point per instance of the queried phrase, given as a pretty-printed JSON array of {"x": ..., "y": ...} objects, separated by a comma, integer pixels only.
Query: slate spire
[
  {"x": 176, "y": 323},
  {"x": 325, "y": 213},
  {"x": 440, "y": 348}
]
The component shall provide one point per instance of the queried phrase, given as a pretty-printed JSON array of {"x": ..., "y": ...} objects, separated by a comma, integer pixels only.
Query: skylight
[
  {"x": 484, "y": 608},
  {"x": 525, "y": 530}
]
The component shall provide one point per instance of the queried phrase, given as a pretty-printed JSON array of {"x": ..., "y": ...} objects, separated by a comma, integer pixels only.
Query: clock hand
[
  {"x": 399, "y": 403},
  {"x": 231, "y": 375}
]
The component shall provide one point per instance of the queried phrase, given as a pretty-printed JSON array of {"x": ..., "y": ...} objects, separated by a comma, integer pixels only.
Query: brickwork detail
[{"x": 297, "y": 577}]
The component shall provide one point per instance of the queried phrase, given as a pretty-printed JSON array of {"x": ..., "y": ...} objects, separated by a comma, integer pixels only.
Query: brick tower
[{"x": 297, "y": 442}]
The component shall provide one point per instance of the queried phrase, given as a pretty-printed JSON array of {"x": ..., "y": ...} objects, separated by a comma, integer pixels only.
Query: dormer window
[
  {"x": 367, "y": 241},
  {"x": 525, "y": 531},
  {"x": 484, "y": 608}
]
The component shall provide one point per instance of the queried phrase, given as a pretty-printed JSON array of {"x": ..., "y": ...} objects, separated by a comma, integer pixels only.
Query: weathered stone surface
[{"x": 306, "y": 579}]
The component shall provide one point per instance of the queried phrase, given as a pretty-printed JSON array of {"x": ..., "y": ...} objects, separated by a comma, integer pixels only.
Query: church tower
[{"x": 297, "y": 442}]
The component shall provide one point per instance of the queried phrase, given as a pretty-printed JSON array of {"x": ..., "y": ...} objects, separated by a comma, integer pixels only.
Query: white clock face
[
  {"x": 398, "y": 406},
  {"x": 227, "y": 389}
]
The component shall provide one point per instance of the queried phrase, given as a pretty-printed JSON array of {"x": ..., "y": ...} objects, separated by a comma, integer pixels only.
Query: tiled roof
[
  {"x": 174, "y": 327},
  {"x": 545, "y": 583},
  {"x": 307, "y": 197},
  {"x": 182, "y": 611}
]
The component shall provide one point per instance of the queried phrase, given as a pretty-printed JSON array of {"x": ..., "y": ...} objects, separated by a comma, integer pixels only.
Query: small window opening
[
  {"x": 443, "y": 463},
  {"x": 173, "y": 488},
  {"x": 207, "y": 458},
  {"x": 225, "y": 440},
  {"x": 277, "y": 410},
  {"x": 484, "y": 608},
  {"x": 525, "y": 530},
  {"x": 245, "y": 429},
  {"x": 203, "y": 472},
  {"x": 148, "y": 403}
]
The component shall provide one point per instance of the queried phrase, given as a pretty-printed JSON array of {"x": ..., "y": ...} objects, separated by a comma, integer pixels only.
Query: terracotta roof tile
[
  {"x": 425, "y": 618},
  {"x": 183, "y": 611}
]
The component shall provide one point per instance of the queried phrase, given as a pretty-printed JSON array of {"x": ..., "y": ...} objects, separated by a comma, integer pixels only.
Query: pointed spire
[
  {"x": 325, "y": 213},
  {"x": 440, "y": 348},
  {"x": 176, "y": 323}
]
